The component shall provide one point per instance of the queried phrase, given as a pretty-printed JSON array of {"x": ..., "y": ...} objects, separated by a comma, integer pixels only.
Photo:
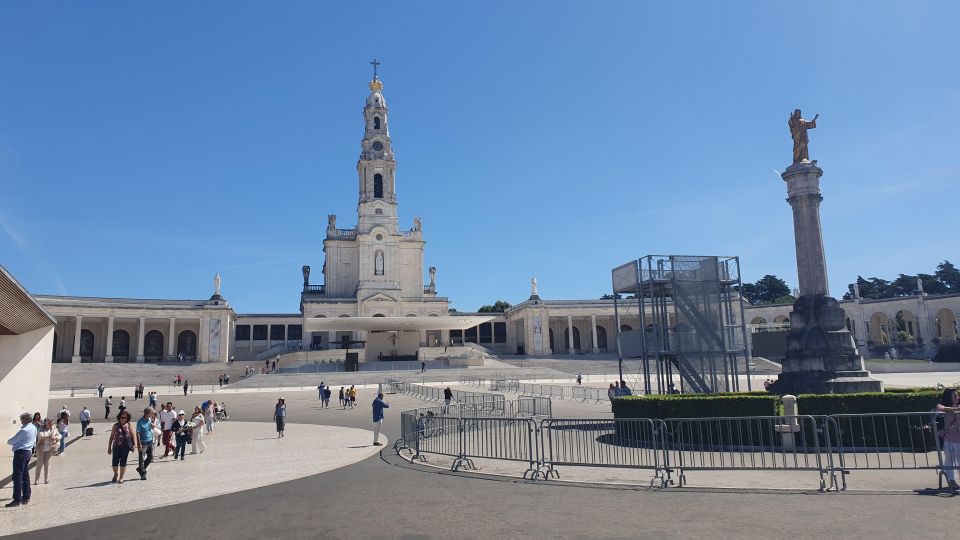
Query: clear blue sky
[{"x": 146, "y": 146}]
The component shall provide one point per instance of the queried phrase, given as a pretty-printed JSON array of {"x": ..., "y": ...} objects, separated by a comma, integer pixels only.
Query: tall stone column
[
  {"x": 172, "y": 340},
  {"x": 140, "y": 331},
  {"x": 203, "y": 339},
  {"x": 803, "y": 194},
  {"x": 76, "y": 339},
  {"x": 821, "y": 355},
  {"x": 593, "y": 333},
  {"x": 445, "y": 337},
  {"x": 570, "y": 348},
  {"x": 109, "y": 356}
]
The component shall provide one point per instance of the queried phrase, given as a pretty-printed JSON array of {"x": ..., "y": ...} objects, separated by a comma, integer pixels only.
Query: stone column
[
  {"x": 445, "y": 337},
  {"x": 140, "y": 332},
  {"x": 76, "y": 339},
  {"x": 225, "y": 340},
  {"x": 109, "y": 356},
  {"x": 570, "y": 348},
  {"x": 593, "y": 333},
  {"x": 202, "y": 340},
  {"x": 172, "y": 340},
  {"x": 803, "y": 191},
  {"x": 423, "y": 338}
]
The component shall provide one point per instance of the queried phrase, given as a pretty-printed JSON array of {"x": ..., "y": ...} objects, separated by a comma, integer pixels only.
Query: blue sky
[{"x": 146, "y": 146}]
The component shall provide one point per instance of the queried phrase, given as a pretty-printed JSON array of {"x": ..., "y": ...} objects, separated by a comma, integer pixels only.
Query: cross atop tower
[{"x": 374, "y": 64}]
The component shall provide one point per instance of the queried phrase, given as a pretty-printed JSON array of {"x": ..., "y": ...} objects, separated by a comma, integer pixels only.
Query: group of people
[
  {"x": 618, "y": 389},
  {"x": 348, "y": 397},
  {"x": 224, "y": 379}
]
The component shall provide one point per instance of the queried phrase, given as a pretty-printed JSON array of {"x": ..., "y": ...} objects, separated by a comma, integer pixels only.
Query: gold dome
[{"x": 376, "y": 85}]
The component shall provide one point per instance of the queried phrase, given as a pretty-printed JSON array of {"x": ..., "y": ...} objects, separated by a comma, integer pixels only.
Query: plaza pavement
[
  {"x": 384, "y": 497},
  {"x": 239, "y": 456}
]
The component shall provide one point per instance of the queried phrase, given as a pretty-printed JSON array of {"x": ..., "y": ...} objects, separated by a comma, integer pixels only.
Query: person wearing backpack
[{"x": 950, "y": 407}]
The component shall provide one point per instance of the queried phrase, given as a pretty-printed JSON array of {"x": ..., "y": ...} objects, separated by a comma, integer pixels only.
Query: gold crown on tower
[{"x": 376, "y": 85}]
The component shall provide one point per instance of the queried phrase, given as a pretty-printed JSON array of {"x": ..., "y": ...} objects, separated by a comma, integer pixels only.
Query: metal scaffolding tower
[{"x": 692, "y": 326}]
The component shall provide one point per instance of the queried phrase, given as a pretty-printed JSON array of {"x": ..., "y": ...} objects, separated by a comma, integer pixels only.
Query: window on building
[
  {"x": 378, "y": 211},
  {"x": 499, "y": 332},
  {"x": 376, "y": 122},
  {"x": 471, "y": 335},
  {"x": 294, "y": 332},
  {"x": 243, "y": 332},
  {"x": 277, "y": 332},
  {"x": 259, "y": 332},
  {"x": 456, "y": 336},
  {"x": 378, "y": 186}
]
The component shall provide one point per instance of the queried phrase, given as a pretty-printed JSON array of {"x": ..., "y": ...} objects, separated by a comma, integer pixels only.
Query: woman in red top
[{"x": 123, "y": 438}]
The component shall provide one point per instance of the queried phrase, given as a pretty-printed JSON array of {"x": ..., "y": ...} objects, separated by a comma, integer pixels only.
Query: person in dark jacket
[
  {"x": 378, "y": 406},
  {"x": 182, "y": 431}
]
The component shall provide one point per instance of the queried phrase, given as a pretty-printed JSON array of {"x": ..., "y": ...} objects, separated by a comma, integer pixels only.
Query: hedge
[
  {"x": 892, "y": 401},
  {"x": 948, "y": 352},
  {"x": 696, "y": 405}
]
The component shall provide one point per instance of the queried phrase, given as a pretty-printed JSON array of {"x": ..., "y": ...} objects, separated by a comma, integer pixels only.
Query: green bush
[
  {"x": 697, "y": 405},
  {"x": 949, "y": 352},
  {"x": 892, "y": 401}
]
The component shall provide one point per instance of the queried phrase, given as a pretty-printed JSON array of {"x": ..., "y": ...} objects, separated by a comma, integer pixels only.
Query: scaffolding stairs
[{"x": 691, "y": 377}]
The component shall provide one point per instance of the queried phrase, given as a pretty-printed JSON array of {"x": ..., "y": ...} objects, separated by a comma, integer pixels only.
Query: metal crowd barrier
[
  {"x": 588, "y": 393},
  {"x": 831, "y": 446},
  {"x": 746, "y": 443},
  {"x": 534, "y": 406},
  {"x": 886, "y": 441},
  {"x": 546, "y": 390},
  {"x": 621, "y": 443}
]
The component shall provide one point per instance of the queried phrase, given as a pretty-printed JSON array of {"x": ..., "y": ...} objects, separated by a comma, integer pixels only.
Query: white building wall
[{"x": 26, "y": 386}]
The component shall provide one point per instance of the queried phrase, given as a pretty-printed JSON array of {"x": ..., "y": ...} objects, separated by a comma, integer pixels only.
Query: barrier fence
[{"x": 829, "y": 446}]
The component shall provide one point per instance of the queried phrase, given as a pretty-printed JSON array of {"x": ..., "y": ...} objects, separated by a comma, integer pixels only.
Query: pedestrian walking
[
  {"x": 106, "y": 405},
  {"x": 123, "y": 439},
  {"x": 378, "y": 406},
  {"x": 145, "y": 442},
  {"x": 21, "y": 444},
  {"x": 153, "y": 400},
  {"x": 353, "y": 396},
  {"x": 326, "y": 397},
  {"x": 579, "y": 378},
  {"x": 950, "y": 406},
  {"x": 100, "y": 390},
  {"x": 123, "y": 404},
  {"x": 181, "y": 429},
  {"x": 197, "y": 431},
  {"x": 208, "y": 417},
  {"x": 280, "y": 416},
  {"x": 37, "y": 423},
  {"x": 48, "y": 439},
  {"x": 447, "y": 398},
  {"x": 320, "y": 392},
  {"x": 342, "y": 402},
  {"x": 84, "y": 421},
  {"x": 167, "y": 418},
  {"x": 423, "y": 367},
  {"x": 185, "y": 385},
  {"x": 63, "y": 426}
]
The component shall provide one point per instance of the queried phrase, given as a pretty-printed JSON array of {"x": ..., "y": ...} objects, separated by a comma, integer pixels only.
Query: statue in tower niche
[
  {"x": 417, "y": 226},
  {"x": 798, "y": 130},
  {"x": 331, "y": 221},
  {"x": 433, "y": 276},
  {"x": 306, "y": 276}
]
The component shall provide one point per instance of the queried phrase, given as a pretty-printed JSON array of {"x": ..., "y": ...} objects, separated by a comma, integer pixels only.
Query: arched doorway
[
  {"x": 121, "y": 346},
  {"x": 187, "y": 345},
  {"x": 601, "y": 338},
  {"x": 946, "y": 325},
  {"x": 87, "y": 342},
  {"x": 758, "y": 321},
  {"x": 880, "y": 328},
  {"x": 907, "y": 329},
  {"x": 153, "y": 345},
  {"x": 625, "y": 328}
]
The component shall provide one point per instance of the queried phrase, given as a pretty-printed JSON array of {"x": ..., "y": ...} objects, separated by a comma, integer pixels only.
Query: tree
[
  {"x": 452, "y": 310},
  {"x": 767, "y": 290},
  {"x": 949, "y": 276},
  {"x": 498, "y": 307}
]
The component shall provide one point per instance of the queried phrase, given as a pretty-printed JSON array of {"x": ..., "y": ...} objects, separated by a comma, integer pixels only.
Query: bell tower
[{"x": 376, "y": 168}]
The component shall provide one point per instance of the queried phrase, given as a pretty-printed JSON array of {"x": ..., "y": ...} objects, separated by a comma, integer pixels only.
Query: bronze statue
[
  {"x": 332, "y": 221},
  {"x": 306, "y": 275},
  {"x": 798, "y": 130}
]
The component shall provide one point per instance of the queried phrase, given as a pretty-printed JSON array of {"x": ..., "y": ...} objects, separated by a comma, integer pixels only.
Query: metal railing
[
  {"x": 830, "y": 446},
  {"x": 588, "y": 394},
  {"x": 535, "y": 406}
]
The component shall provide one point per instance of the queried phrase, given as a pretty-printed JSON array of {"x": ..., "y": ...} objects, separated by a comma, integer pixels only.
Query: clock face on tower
[{"x": 378, "y": 146}]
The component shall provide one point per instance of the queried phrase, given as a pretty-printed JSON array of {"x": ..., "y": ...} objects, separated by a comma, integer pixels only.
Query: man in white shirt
[
  {"x": 167, "y": 418},
  {"x": 84, "y": 421},
  {"x": 22, "y": 445}
]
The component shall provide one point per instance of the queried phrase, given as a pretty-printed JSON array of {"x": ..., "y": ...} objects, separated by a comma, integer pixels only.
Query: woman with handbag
[
  {"x": 47, "y": 441},
  {"x": 123, "y": 439}
]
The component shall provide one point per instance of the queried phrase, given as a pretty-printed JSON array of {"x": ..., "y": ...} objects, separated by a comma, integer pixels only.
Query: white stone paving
[{"x": 239, "y": 456}]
